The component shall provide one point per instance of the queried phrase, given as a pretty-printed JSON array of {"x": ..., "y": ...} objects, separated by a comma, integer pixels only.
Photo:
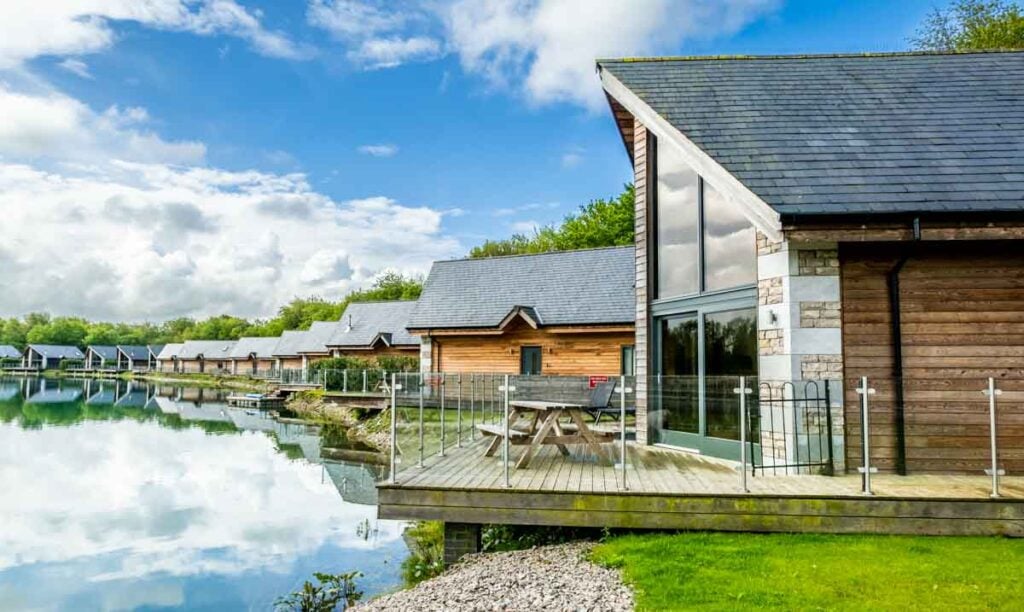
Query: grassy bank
[{"x": 818, "y": 572}]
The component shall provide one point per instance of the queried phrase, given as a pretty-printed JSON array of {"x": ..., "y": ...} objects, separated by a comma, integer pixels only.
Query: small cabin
[
  {"x": 286, "y": 353},
  {"x": 565, "y": 313},
  {"x": 205, "y": 356},
  {"x": 153, "y": 351},
  {"x": 374, "y": 329},
  {"x": 98, "y": 357},
  {"x": 313, "y": 344},
  {"x": 253, "y": 355},
  {"x": 132, "y": 358},
  {"x": 50, "y": 356},
  {"x": 167, "y": 358},
  {"x": 9, "y": 355}
]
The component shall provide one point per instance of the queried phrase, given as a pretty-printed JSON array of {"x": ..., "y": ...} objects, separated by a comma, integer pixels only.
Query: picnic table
[{"x": 536, "y": 422}]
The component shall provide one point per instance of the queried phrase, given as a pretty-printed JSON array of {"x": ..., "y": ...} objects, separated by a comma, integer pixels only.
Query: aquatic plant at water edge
[{"x": 333, "y": 590}]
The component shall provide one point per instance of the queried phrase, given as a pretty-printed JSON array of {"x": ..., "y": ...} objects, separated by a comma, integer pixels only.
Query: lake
[{"x": 126, "y": 496}]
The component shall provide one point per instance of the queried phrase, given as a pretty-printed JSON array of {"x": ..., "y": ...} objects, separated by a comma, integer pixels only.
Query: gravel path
[{"x": 547, "y": 578}]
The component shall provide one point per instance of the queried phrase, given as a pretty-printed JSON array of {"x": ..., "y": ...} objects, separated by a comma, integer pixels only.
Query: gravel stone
[{"x": 546, "y": 578}]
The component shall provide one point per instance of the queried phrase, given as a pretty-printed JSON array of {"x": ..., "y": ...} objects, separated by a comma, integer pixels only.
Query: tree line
[{"x": 300, "y": 313}]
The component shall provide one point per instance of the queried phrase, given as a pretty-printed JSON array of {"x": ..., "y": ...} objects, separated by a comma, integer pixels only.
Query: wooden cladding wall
[
  {"x": 562, "y": 354},
  {"x": 962, "y": 320}
]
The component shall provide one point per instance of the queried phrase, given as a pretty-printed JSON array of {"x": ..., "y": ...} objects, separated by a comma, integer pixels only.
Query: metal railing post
[
  {"x": 866, "y": 470},
  {"x": 394, "y": 431},
  {"x": 422, "y": 448},
  {"x": 458, "y": 411},
  {"x": 505, "y": 445},
  {"x": 622, "y": 432},
  {"x": 472, "y": 406},
  {"x": 743, "y": 391},
  {"x": 994, "y": 471},
  {"x": 344, "y": 381},
  {"x": 364, "y": 381},
  {"x": 441, "y": 453}
]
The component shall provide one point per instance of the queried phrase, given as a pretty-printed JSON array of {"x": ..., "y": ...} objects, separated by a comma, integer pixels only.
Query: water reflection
[{"x": 121, "y": 495}]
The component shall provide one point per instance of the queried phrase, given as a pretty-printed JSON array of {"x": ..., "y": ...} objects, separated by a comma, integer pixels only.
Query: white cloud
[
  {"x": 508, "y": 212},
  {"x": 374, "y": 34},
  {"x": 77, "y": 67},
  {"x": 390, "y": 52},
  {"x": 572, "y": 158},
  {"x": 543, "y": 49},
  {"x": 379, "y": 150},
  {"x": 524, "y": 227},
  {"x": 53, "y": 124},
  {"x": 104, "y": 219},
  {"x": 547, "y": 48},
  {"x": 77, "y": 27}
]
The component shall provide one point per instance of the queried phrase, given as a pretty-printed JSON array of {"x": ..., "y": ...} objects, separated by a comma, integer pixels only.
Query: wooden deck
[{"x": 671, "y": 489}]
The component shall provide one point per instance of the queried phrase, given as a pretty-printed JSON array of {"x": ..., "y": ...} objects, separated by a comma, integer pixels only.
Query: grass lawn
[{"x": 717, "y": 571}]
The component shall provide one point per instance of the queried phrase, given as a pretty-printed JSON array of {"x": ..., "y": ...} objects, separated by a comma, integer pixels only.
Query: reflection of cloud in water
[{"x": 171, "y": 502}]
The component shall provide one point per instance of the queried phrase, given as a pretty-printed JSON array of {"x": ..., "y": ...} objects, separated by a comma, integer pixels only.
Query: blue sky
[{"x": 442, "y": 122}]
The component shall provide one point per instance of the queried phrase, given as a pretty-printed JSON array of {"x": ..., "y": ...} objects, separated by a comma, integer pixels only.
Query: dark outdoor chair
[{"x": 601, "y": 402}]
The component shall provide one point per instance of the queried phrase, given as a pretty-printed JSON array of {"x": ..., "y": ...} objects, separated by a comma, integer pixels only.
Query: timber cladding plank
[
  {"x": 962, "y": 321},
  {"x": 725, "y": 513}
]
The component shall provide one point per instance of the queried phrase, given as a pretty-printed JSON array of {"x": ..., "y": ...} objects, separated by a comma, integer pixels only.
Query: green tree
[
  {"x": 63, "y": 330},
  {"x": 600, "y": 223},
  {"x": 972, "y": 25}
]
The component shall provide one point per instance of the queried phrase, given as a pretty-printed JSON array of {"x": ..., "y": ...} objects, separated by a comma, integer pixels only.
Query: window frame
[
  {"x": 653, "y": 250},
  {"x": 631, "y": 349},
  {"x": 522, "y": 359}
]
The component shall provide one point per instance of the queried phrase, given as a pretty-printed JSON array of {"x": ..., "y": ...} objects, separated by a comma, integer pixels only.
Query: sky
[{"x": 165, "y": 158}]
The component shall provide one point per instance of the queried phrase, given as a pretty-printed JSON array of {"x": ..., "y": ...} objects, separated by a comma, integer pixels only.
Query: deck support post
[
  {"x": 866, "y": 470},
  {"x": 994, "y": 471},
  {"x": 622, "y": 431},
  {"x": 460, "y": 539}
]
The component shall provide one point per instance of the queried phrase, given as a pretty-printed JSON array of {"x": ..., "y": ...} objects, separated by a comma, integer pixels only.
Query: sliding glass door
[{"x": 699, "y": 357}]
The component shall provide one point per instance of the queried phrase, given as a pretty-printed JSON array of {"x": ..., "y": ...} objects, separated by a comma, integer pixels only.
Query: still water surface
[{"x": 121, "y": 495}]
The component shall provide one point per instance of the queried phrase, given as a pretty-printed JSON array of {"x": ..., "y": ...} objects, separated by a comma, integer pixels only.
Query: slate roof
[
  {"x": 880, "y": 133},
  {"x": 289, "y": 343},
  {"x": 155, "y": 349},
  {"x": 106, "y": 353},
  {"x": 134, "y": 352},
  {"x": 363, "y": 322},
  {"x": 209, "y": 349},
  {"x": 589, "y": 287},
  {"x": 263, "y": 347},
  {"x": 315, "y": 339},
  {"x": 9, "y": 352},
  {"x": 169, "y": 351},
  {"x": 52, "y": 351}
]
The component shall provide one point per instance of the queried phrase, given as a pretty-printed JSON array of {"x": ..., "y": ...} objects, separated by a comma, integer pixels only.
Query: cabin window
[
  {"x": 704, "y": 242},
  {"x": 530, "y": 361},
  {"x": 628, "y": 360}
]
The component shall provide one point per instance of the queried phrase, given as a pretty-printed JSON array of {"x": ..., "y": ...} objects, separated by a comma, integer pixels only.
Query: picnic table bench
[{"x": 532, "y": 423}]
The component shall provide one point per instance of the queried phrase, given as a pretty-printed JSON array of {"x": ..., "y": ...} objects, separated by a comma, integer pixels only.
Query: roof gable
[
  {"x": 9, "y": 352},
  {"x": 289, "y": 343},
  {"x": 261, "y": 347},
  {"x": 134, "y": 352},
  {"x": 55, "y": 351},
  {"x": 207, "y": 349},
  {"x": 363, "y": 324},
  {"x": 106, "y": 353},
  {"x": 589, "y": 287},
  {"x": 169, "y": 351},
  {"x": 814, "y": 135}
]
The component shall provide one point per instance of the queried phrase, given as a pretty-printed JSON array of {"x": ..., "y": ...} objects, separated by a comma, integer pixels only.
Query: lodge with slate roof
[
  {"x": 564, "y": 313},
  {"x": 312, "y": 346},
  {"x": 99, "y": 356},
  {"x": 132, "y": 357},
  {"x": 167, "y": 358},
  {"x": 253, "y": 355},
  {"x": 373, "y": 329},
  {"x": 49, "y": 356},
  {"x": 205, "y": 356},
  {"x": 831, "y": 217}
]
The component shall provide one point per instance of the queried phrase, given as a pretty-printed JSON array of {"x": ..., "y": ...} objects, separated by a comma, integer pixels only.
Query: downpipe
[{"x": 895, "y": 311}]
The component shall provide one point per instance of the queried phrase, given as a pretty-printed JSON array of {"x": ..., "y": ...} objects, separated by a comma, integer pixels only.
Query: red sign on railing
[{"x": 596, "y": 380}]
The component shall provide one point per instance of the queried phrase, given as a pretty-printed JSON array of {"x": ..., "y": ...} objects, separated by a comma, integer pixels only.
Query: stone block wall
[
  {"x": 460, "y": 539},
  {"x": 799, "y": 333}
]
